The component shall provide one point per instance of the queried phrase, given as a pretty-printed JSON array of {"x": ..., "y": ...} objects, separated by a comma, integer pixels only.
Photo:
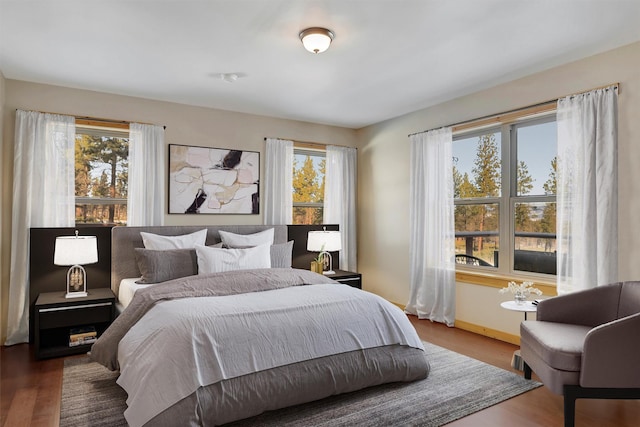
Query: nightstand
[
  {"x": 55, "y": 315},
  {"x": 347, "y": 277}
]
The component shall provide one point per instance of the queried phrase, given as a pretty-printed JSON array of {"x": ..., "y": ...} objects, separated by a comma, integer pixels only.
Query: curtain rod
[
  {"x": 539, "y": 106},
  {"x": 96, "y": 119},
  {"x": 309, "y": 144}
]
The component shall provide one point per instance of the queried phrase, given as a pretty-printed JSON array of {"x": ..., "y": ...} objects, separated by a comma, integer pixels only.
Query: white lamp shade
[
  {"x": 328, "y": 241},
  {"x": 75, "y": 250},
  {"x": 316, "y": 39}
]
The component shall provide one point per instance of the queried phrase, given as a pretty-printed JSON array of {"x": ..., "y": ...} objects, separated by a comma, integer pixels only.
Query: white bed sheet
[
  {"x": 209, "y": 339},
  {"x": 128, "y": 288}
]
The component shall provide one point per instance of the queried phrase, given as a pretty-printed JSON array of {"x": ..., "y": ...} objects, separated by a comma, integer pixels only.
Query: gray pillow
[
  {"x": 281, "y": 255},
  {"x": 161, "y": 265}
]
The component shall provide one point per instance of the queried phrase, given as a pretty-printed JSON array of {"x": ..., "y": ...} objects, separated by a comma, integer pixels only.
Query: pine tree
[
  {"x": 113, "y": 152},
  {"x": 486, "y": 173},
  {"x": 548, "y": 221},
  {"x": 524, "y": 186},
  {"x": 550, "y": 185},
  {"x": 487, "y": 167},
  {"x": 307, "y": 188}
]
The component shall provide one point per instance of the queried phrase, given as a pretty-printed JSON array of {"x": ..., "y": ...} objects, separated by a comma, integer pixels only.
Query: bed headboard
[{"x": 125, "y": 239}]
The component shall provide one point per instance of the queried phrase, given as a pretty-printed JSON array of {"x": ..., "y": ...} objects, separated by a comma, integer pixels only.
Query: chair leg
[
  {"x": 569, "y": 406},
  {"x": 527, "y": 371}
]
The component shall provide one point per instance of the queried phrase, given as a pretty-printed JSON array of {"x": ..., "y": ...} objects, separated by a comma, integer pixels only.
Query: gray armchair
[{"x": 586, "y": 344}]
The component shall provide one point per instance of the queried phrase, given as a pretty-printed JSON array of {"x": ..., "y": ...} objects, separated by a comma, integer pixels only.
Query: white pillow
[
  {"x": 215, "y": 260},
  {"x": 232, "y": 240},
  {"x": 162, "y": 243}
]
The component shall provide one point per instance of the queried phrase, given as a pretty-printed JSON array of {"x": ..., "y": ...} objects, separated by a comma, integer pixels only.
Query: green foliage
[
  {"x": 523, "y": 210},
  {"x": 551, "y": 185},
  {"x": 487, "y": 167},
  {"x": 548, "y": 221},
  {"x": 101, "y": 171},
  {"x": 308, "y": 187}
]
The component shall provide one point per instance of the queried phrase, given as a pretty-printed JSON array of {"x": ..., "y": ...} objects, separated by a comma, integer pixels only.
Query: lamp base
[
  {"x": 75, "y": 294},
  {"x": 329, "y": 272}
]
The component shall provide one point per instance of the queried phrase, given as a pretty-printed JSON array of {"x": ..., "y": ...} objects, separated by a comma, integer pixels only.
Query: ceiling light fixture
[
  {"x": 229, "y": 77},
  {"x": 316, "y": 39}
]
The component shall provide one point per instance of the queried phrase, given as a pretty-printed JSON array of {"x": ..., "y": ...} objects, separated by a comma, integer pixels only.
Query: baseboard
[
  {"x": 480, "y": 330},
  {"x": 487, "y": 332}
]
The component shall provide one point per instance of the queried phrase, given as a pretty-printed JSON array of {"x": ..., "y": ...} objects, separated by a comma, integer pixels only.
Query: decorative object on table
[
  {"x": 521, "y": 292},
  {"x": 317, "y": 264},
  {"x": 213, "y": 181},
  {"x": 324, "y": 242},
  {"x": 76, "y": 251}
]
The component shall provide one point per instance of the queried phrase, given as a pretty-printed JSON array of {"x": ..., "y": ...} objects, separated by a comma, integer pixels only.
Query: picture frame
[{"x": 205, "y": 180}]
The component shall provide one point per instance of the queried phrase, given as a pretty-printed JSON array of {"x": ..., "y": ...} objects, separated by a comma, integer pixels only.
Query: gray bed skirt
[{"x": 250, "y": 395}]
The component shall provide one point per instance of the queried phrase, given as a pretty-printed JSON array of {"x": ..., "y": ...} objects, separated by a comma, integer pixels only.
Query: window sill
[{"x": 500, "y": 281}]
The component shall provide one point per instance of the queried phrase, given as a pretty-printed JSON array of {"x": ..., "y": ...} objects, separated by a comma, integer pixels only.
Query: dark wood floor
[{"x": 30, "y": 390}]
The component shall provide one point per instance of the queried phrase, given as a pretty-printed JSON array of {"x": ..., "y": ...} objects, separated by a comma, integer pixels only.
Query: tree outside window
[
  {"x": 508, "y": 171},
  {"x": 308, "y": 186},
  {"x": 101, "y": 171}
]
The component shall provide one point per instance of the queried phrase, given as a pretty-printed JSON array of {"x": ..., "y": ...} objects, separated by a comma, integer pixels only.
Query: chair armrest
[
  {"x": 610, "y": 355},
  {"x": 591, "y": 307}
]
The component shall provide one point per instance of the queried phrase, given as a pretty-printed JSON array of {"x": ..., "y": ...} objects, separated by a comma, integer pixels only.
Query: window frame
[{"x": 508, "y": 193}]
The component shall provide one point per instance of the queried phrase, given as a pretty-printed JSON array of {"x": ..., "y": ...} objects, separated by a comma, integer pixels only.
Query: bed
[{"x": 233, "y": 342}]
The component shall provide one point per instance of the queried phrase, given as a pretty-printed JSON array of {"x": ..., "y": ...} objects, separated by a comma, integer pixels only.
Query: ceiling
[{"x": 388, "y": 58}]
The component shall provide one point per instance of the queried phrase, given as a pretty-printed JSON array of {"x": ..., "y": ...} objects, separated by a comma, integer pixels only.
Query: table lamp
[
  {"x": 324, "y": 242},
  {"x": 76, "y": 251}
]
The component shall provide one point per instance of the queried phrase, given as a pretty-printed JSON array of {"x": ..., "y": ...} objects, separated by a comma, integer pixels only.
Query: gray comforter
[
  {"x": 385, "y": 347},
  {"x": 105, "y": 350}
]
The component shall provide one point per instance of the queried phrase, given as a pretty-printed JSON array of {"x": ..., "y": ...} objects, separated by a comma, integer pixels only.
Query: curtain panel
[
  {"x": 278, "y": 179},
  {"x": 146, "y": 191},
  {"x": 431, "y": 216},
  {"x": 587, "y": 199},
  {"x": 43, "y": 196},
  {"x": 340, "y": 200}
]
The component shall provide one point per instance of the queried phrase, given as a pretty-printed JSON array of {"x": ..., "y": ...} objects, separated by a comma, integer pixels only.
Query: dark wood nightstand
[
  {"x": 347, "y": 277},
  {"x": 55, "y": 315}
]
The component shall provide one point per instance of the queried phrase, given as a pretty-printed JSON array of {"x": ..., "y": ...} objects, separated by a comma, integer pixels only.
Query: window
[
  {"x": 308, "y": 185},
  {"x": 101, "y": 175},
  {"x": 505, "y": 197}
]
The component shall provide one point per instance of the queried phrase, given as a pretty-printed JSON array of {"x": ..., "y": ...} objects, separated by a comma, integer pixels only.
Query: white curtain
[
  {"x": 43, "y": 196},
  {"x": 146, "y": 192},
  {"x": 587, "y": 199},
  {"x": 432, "y": 243},
  {"x": 340, "y": 188},
  {"x": 278, "y": 179}
]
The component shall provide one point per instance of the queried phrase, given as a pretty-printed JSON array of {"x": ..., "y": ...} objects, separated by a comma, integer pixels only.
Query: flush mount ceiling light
[
  {"x": 316, "y": 39},
  {"x": 228, "y": 77}
]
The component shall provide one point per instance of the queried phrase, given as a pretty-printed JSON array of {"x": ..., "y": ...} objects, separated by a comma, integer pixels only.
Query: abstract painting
[{"x": 213, "y": 180}]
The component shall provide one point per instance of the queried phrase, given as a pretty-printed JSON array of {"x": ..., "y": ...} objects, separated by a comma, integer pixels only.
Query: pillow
[
  {"x": 216, "y": 260},
  {"x": 186, "y": 241},
  {"x": 281, "y": 255},
  {"x": 159, "y": 266},
  {"x": 232, "y": 240}
]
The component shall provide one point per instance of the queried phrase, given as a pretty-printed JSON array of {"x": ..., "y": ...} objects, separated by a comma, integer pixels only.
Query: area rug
[{"x": 457, "y": 386}]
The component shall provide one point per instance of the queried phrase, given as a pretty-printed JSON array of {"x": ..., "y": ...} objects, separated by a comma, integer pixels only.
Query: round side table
[{"x": 525, "y": 307}]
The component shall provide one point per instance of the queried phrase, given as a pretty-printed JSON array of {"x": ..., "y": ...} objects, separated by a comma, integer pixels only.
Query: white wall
[
  {"x": 383, "y": 206},
  {"x": 184, "y": 125}
]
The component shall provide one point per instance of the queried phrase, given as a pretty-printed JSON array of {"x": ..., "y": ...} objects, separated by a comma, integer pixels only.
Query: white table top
[{"x": 524, "y": 306}]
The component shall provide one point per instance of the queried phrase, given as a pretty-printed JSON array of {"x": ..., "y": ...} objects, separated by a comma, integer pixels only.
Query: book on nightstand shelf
[{"x": 82, "y": 336}]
